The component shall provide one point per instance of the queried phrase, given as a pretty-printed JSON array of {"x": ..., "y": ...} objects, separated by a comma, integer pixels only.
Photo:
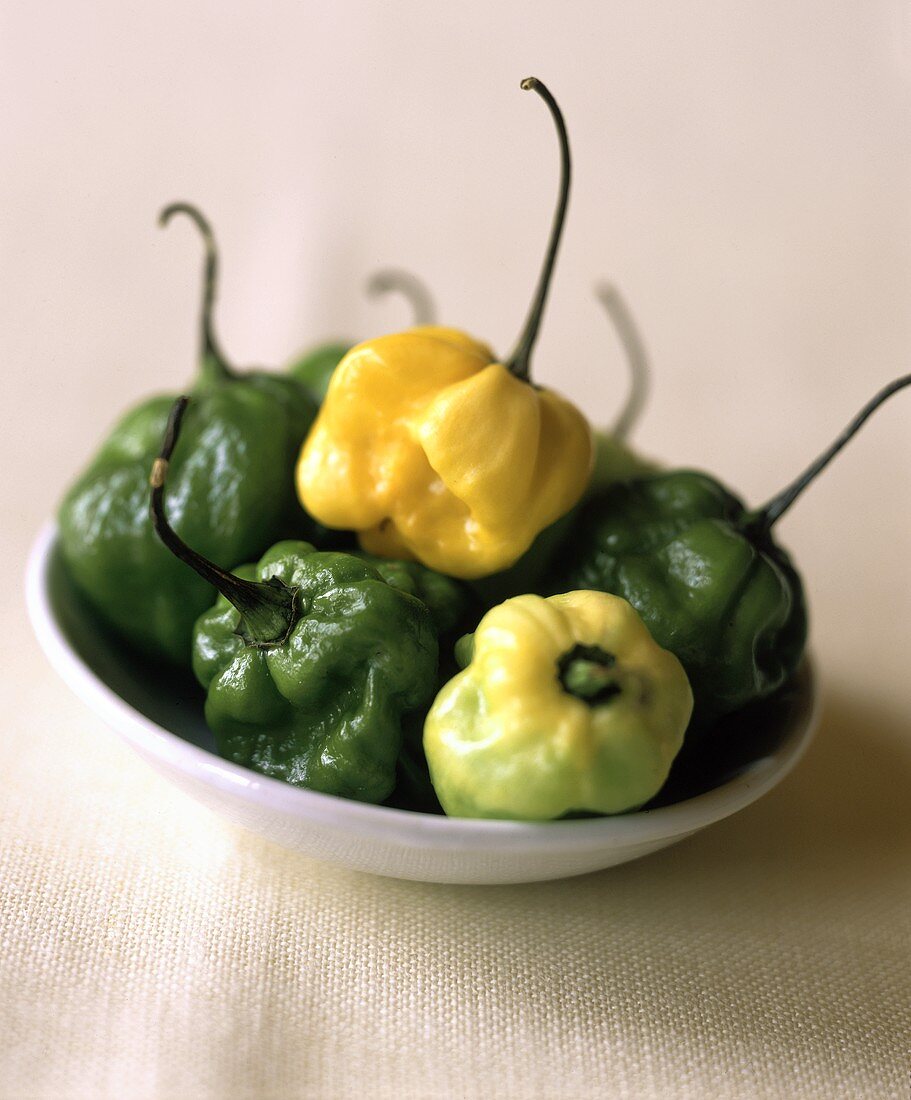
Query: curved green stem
[
  {"x": 760, "y": 521},
  {"x": 214, "y": 363},
  {"x": 636, "y": 358},
  {"x": 395, "y": 281},
  {"x": 268, "y": 610},
  {"x": 518, "y": 363}
]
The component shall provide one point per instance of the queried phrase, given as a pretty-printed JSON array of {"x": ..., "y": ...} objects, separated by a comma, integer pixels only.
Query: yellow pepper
[
  {"x": 429, "y": 448},
  {"x": 568, "y": 704}
]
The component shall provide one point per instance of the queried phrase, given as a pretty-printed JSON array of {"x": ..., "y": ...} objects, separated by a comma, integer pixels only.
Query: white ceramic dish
[{"x": 160, "y": 715}]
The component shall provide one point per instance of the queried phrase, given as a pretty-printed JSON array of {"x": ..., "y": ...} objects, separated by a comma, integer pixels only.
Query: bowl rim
[{"x": 402, "y": 827}]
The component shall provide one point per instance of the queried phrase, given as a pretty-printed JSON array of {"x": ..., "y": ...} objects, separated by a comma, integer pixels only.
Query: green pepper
[
  {"x": 232, "y": 497},
  {"x": 314, "y": 368},
  {"x": 614, "y": 461},
  {"x": 566, "y": 706},
  {"x": 311, "y": 661},
  {"x": 448, "y": 600},
  {"x": 705, "y": 573}
]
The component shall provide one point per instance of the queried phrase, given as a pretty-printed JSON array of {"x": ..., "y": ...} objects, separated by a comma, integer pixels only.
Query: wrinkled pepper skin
[
  {"x": 447, "y": 599},
  {"x": 325, "y": 708},
  {"x": 232, "y": 496},
  {"x": 431, "y": 450},
  {"x": 568, "y": 705},
  {"x": 614, "y": 461},
  {"x": 454, "y": 609},
  {"x": 678, "y": 546},
  {"x": 315, "y": 368}
]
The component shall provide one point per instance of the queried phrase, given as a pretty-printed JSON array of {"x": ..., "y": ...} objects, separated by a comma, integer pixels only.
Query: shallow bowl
[{"x": 159, "y": 713}]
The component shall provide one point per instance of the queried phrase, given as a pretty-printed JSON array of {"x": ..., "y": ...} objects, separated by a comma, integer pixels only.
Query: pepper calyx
[
  {"x": 268, "y": 614},
  {"x": 589, "y": 673}
]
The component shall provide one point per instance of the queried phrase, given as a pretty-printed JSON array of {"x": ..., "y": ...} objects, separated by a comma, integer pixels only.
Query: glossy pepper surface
[
  {"x": 232, "y": 493},
  {"x": 447, "y": 600},
  {"x": 429, "y": 448},
  {"x": 310, "y": 660},
  {"x": 706, "y": 575},
  {"x": 324, "y": 709},
  {"x": 567, "y": 705},
  {"x": 678, "y": 547}
]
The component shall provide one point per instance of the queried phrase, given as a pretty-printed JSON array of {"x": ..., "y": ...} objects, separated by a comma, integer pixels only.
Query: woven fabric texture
[{"x": 147, "y": 949}]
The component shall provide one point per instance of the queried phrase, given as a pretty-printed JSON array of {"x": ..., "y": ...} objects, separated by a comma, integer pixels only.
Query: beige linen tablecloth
[{"x": 149, "y": 950}]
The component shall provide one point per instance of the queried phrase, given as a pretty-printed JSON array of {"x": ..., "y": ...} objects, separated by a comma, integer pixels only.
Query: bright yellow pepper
[{"x": 429, "y": 448}]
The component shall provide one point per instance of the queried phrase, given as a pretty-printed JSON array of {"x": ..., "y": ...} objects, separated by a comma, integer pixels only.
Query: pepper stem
[
  {"x": 269, "y": 609},
  {"x": 760, "y": 521},
  {"x": 518, "y": 362},
  {"x": 394, "y": 281},
  {"x": 214, "y": 364},
  {"x": 589, "y": 673},
  {"x": 636, "y": 358}
]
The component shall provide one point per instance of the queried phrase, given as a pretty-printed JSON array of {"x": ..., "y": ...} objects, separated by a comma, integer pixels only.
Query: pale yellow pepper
[
  {"x": 430, "y": 448},
  {"x": 568, "y": 705}
]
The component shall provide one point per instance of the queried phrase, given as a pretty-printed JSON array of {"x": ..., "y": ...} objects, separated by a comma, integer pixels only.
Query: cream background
[{"x": 743, "y": 172}]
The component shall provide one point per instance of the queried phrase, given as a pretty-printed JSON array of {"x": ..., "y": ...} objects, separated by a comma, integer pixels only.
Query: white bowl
[{"x": 160, "y": 714}]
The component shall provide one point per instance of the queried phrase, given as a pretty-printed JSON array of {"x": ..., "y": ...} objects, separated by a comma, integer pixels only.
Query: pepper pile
[{"x": 464, "y": 598}]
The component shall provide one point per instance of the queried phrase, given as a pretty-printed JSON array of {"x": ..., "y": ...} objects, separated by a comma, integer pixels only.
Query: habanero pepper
[
  {"x": 310, "y": 660},
  {"x": 431, "y": 449},
  {"x": 615, "y": 460},
  {"x": 233, "y": 498},
  {"x": 705, "y": 573},
  {"x": 567, "y": 705}
]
